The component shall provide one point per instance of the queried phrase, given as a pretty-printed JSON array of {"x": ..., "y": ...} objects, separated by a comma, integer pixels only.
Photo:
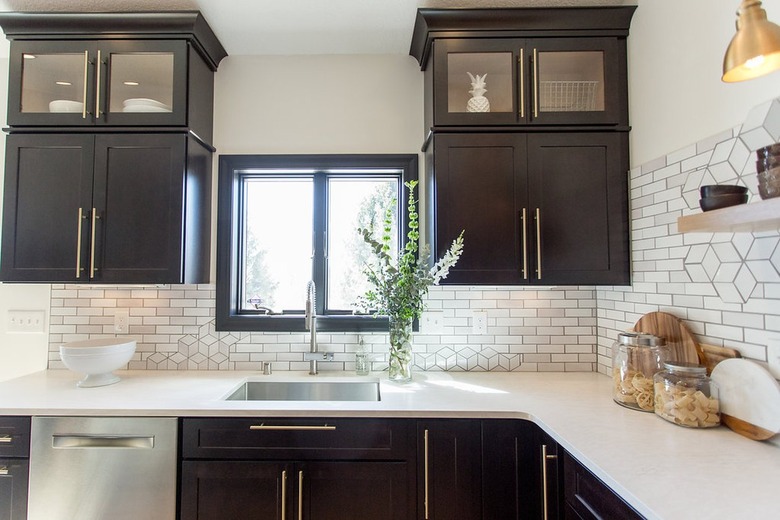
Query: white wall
[{"x": 676, "y": 96}]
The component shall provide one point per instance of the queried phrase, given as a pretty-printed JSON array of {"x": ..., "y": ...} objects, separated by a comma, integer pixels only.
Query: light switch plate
[
  {"x": 432, "y": 322},
  {"x": 26, "y": 321}
]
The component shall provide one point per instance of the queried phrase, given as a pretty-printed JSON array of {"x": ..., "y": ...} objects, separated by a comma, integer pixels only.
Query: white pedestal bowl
[{"x": 97, "y": 358}]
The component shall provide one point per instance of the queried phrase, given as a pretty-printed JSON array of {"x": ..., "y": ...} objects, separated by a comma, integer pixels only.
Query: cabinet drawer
[
  {"x": 297, "y": 439},
  {"x": 587, "y": 497},
  {"x": 14, "y": 437}
]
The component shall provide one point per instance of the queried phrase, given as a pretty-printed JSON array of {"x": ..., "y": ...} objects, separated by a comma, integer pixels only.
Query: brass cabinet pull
[
  {"x": 3, "y": 470},
  {"x": 84, "y": 92},
  {"x": 545, "y": 458},
  {"x": 6, "y": 439},
  {"x": 521, "y": 80},
  {"x": 78, "y": 244},
  {"x": 97, "y": 86},
  {"x": 300, "y": 495},
  {"x": 284, "y": 494},
  {"x": 536, "y": 81},
  {"x": 525, "y": 244},
  {"x": 324, "y": 427},
  {"x": 425, "y": 470},
  {"x": 538, "y": 244},
  {"x": 92, "y": 245}
]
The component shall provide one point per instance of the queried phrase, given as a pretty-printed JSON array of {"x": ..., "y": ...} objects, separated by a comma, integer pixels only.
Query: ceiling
[{"x": 300, "y": 26}]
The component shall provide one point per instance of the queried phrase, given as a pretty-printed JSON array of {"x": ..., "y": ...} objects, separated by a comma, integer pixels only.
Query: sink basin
[{"x": 306, "y": 391}]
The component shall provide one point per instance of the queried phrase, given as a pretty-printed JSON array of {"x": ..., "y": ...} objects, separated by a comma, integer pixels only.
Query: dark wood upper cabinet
[
  {"x": 108, "y": 69},
  {"x": 108, "y": 161},
  {"x": 526, "y": 120}
]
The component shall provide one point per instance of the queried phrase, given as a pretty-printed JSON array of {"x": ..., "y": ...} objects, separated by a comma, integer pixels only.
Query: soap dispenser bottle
[{"x": 362, "y": 363}]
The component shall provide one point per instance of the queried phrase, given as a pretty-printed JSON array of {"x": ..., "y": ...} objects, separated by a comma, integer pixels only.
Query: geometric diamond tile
[
  {"x": 762, "y": 248},
  {"x": 745, "y": 282}
]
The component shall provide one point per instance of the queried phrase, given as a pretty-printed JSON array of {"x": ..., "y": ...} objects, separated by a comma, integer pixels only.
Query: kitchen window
[{"x": 284, "y": 220}]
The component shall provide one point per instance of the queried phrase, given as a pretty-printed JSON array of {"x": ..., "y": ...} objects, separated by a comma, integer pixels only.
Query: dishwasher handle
[{"x": 102, "y": 441}]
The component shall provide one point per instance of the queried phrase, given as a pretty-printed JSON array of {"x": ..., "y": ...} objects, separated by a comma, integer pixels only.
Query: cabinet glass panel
[
  {"x": 479, "y": 82},
  {"x": 571, "y": 81},
  {"x": 141, "y": 82},
  {"x": 53, "y": 82}
]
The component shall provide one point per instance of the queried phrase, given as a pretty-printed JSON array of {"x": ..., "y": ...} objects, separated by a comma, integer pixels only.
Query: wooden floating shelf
[{"x": 758, "y": 216}]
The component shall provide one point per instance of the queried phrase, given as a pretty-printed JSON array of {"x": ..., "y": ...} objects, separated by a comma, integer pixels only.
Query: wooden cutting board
[
  {"x": 714, "y": 355},
  {"x": 681, "y": 342},
  {"x": 749, "y": 398}
]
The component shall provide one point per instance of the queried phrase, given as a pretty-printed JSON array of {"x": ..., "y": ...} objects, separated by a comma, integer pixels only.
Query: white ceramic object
[
  {"x": 144, "y": 108},
  {"x": 97, "y": 358},
  {"x": 65, "y": 105},
  {"x": 145, "y": 102}
]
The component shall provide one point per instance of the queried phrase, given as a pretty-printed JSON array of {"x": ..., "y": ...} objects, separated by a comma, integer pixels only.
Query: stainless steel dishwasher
[{"x": 99, "y": 468}]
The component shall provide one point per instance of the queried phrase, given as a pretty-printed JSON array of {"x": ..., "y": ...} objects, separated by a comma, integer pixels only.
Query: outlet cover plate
[
  {"x": 121, "y": 319},
  {"x": 479, "y": 322}
]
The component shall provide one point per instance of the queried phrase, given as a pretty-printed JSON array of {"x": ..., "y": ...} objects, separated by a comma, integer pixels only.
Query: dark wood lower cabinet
[
  {"x": 588, "y": 498},
  {"x": 14, "y": 467}
]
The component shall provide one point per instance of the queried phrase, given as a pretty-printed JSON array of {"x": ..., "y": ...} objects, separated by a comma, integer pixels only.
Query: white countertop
[{"x": 662, "y": 470}]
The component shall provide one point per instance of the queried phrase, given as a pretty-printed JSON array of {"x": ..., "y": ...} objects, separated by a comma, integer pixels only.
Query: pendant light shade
[{"x": 755, "y": 49}]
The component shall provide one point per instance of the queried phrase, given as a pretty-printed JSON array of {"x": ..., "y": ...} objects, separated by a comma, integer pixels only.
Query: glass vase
[{"x": 400, "y": 350}]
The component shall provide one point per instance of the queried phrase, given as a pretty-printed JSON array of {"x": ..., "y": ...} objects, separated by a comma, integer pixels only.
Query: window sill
[{"x": 264, "y": 323}]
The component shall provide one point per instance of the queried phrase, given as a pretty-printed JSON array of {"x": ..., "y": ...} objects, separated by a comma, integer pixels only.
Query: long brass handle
[
  {"x": 545, "y": 458},
  {"x": 538, "y": 244},
  {"x": 97, "y": 87},
  {"x": 324, "y": 427},
  {"x": 3, "y": 470},
  {"x": 6, "y": 439},
  {"x": 521, "y": 61},
  {"x": 300, "y": 495},
  {"x": 92, "y": 245},
  {"x": 525, "y": 244},
  {"x": 78, "y": 243},
  {"x": 284, "y": 494},
  {"x": 84, "y": 91},
  {"x": 425, "y": 471},
  {"x": 536, "y": 81}
]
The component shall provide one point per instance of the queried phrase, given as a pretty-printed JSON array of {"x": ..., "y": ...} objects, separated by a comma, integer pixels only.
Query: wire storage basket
[{"x": 568, "y": 96}]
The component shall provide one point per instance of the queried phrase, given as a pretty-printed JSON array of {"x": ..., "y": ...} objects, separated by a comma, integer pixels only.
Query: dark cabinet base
[{"x": 587, "y": 498}]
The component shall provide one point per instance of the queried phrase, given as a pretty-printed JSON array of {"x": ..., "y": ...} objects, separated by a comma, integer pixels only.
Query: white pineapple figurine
[{"x": 478, "y": 101}]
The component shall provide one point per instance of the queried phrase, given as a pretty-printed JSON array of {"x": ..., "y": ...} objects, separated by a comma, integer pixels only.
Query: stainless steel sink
[{"x": 306, "y": 391}]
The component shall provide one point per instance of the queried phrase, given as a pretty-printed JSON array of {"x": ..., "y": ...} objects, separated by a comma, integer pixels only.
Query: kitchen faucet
[{"x": 310, "y": 324}]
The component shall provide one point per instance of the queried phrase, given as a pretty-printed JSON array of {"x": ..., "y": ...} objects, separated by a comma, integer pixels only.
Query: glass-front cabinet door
[
  {"x": 87, "y": 83},
  {"x": 557, "y": 81}
]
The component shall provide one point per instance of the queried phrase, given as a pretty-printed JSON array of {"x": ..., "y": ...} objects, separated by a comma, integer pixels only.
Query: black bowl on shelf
[
  {"x": 722, "y": 201},
  {"x": 711, "y": 190}
]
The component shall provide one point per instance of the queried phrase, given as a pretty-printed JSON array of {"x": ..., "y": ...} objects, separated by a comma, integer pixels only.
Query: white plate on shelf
[
  {"x": 65, "y": 105},
  {"x": 145, "y": 102},
  {"x": 145, "y": 108}
]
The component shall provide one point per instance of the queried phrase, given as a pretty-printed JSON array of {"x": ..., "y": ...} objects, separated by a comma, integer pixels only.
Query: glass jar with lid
[
  {"x": 636, "y": 357},
  {"x": 685, "y": 395}
]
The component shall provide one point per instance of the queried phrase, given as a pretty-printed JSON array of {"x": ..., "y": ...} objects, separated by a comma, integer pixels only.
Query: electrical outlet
[
  {"x": 479, "y": 322},
  {"x": 773, "y": 356},
  {"x": 121, "y": 319},
  {"x": 432, "y": 322},
  {"x": 26, "y": 321}
]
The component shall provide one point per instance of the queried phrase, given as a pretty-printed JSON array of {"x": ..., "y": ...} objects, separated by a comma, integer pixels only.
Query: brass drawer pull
[
  {"x": 3, "y": 470},
  {"x": 6, "y": 439},
  {"x": 425, "y": 460},
  {"x": 284, "y": 495},
  {"x": 273, "y": 427},
  {"x": 300, "y": 495}
]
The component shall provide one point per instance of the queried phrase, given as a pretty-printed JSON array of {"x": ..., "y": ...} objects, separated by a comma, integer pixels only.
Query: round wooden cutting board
[{"x": 682, "y": 345}]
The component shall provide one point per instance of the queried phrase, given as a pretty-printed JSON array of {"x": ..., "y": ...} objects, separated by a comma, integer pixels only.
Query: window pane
[
  {"x": 353, "y": 203},
  {"x": 277, "y": 242}
]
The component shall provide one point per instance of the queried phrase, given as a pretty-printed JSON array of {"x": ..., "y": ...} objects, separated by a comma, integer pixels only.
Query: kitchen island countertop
[{"x": 662, "y": 470}]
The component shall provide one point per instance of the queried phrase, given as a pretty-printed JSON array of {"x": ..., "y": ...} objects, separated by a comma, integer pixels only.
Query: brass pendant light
[{"x": 755, "y": 49}]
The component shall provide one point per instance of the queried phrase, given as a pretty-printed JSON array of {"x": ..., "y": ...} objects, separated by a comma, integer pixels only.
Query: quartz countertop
[{"x": 664, "y": 471}]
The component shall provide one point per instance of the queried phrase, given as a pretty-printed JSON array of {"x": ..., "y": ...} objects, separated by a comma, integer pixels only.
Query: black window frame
[{"x": 229, "y": 314}]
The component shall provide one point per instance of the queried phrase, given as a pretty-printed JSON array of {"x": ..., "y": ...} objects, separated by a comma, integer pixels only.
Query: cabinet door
[
  {"x": 576, "y": 81},
  {"x": 91, "y": 82},
  {"x": 511, "y": 476},
  {"x": 476, "y": 82},
  {"x": 588, "y": 498},
  {"x": 579, "y": 205},
  {"x": 217, "y": 490},
  {"x": 142, "y": 82},
  {"x": 450, "y": 467},
  {"x": 47, "y": 202},
  {"x": 13, "y": 489},
  {"x": 339, "y": 490},
  {"x": 480, "y": 186},
  {"x": 139, "y": 195}
]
